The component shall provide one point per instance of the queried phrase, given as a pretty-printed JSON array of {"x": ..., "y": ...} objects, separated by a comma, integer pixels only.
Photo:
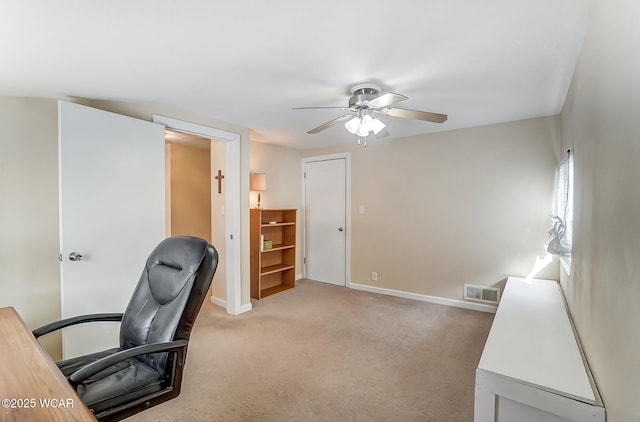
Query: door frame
[
  {"x": 347, "y": 250},
  {"x": 232, "y": 202}
]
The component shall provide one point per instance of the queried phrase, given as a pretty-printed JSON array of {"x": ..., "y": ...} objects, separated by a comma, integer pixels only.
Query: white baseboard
[
  {"x": 425, "y": 298},
  {"x": 220, "y": 302},
  {"x": 381, "y": 290},
  {"x": 298, "y": 277},
  {"x": 223, "y": 304}
]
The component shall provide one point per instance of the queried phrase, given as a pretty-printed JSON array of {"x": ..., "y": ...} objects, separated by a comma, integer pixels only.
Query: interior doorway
[
  {"x": 191, "y": 198},
  {"x": 188, "y": 185},
  {"x": 224, "y": 149}
]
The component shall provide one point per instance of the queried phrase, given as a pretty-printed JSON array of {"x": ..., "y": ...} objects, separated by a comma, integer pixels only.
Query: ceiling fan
[{"x": 366, "y": 103}]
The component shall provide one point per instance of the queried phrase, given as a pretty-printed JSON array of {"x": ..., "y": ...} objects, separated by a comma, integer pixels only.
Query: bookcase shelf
[
  {"x": 273, "y": 269},
  {"x": 278, "y": 224},
  {"x": 278, "y": 248}
]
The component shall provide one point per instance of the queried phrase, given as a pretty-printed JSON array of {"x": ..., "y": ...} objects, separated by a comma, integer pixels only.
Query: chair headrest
[{"x": 172, "y": 263}]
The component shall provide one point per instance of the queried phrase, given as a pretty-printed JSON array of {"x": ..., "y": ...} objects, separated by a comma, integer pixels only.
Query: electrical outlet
[{"x": 374, "y": 276}]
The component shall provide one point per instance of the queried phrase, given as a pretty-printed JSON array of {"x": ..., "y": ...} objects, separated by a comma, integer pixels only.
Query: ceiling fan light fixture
[
  {"x": 365, "y": 125},
  {"x": 377, "y": 126},
  {"x": 353, "y": 125},
  {"x": 367, "y": 120},
  {"x": 362, "y": 131}
]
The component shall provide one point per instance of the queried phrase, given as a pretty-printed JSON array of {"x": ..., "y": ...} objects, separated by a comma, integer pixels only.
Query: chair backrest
[{"x": 169, "y": 294}]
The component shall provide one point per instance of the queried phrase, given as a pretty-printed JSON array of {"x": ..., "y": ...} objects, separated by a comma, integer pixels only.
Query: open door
[{"x": 112, "y": 215}]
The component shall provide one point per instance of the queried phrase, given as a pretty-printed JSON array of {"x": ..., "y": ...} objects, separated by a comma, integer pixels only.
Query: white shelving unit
[{"x": 531, "y": 368}]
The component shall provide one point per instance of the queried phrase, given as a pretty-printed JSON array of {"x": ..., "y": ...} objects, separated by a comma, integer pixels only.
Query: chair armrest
[
  {"x": 93, "y": 368},
  {"x": 46, "y": 329}
]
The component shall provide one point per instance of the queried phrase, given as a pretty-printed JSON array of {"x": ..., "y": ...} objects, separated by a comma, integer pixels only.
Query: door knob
[
  {"x": 75, "y": 256},
  {"x": 340, "y": 229}
]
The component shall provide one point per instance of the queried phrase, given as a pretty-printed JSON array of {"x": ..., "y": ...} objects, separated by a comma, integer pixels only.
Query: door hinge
[
  {"x": 305, "y": 174},
  {"x": 304, "y": 260},
  {"x": 231, "y": 236}
]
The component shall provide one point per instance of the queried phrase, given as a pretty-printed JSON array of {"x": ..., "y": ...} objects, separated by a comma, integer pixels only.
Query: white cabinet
[{"x": 531, "y": 368}]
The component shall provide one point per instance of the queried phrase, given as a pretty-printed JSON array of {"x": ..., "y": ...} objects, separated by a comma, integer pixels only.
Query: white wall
[
  {"x": 29, "y": 245},
  {"x": 600, "y": 122}
]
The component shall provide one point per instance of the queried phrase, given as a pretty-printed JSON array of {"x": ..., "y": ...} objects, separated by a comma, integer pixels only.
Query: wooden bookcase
[{"x": 273, "y": 270}]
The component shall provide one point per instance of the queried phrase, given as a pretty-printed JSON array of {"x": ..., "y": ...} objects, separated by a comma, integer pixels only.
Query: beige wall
[
  {"x": 218, "y": 205},
  {"x": 282, "y": 166},
  {"x": 464, "y": 206},
  {"x": 600, "y": 122},
  {"x": 190, "y": 191},
  {"x": 482, "y": 193},
  {"x": 29, "y": 203},
  {"x": 29, "y": 269}
]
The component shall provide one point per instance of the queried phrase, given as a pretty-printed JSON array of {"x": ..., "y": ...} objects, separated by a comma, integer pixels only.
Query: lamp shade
[{"x": 258, "y": 181}]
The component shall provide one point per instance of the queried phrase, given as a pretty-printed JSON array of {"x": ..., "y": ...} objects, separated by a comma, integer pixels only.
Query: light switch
[{"x": 361, "y": 209}]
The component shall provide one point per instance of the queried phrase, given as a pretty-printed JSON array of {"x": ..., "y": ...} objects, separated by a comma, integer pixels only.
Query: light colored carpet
[{"x": 327, "y": 353}]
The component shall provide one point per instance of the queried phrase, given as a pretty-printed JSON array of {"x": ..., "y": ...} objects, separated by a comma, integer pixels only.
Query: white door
[
  {"x": 112, "y": 212},
  {"x": 325, "y": 220}
]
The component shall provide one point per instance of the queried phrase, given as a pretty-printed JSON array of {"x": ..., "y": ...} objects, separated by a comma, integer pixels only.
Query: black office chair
[{"x": 146, "y": 369}]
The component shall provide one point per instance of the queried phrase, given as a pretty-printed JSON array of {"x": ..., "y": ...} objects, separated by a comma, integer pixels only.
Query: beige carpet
[{"x": 326, "y": 353}]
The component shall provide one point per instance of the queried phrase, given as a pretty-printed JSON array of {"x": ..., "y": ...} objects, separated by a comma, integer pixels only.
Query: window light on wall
[{"x": 560, "y": 242}]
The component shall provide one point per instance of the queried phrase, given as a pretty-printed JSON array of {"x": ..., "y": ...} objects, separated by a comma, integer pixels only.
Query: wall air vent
[{"x": 482, "y": 293}]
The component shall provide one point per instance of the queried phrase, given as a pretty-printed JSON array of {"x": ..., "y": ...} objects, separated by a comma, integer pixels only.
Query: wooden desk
[{"x": 31, "y": 386}]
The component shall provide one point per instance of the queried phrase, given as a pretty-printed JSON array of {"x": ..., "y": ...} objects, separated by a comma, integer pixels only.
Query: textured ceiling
[{"x": 250, "y": 62}]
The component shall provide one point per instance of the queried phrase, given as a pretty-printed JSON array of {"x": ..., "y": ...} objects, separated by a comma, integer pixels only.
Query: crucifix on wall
[{"x": 219, "y": 178}]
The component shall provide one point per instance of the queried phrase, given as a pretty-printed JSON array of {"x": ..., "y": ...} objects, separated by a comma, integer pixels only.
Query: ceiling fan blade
[
  {"x": 414, "y": 114},
  {"x": 321, "y": 108},
  {"x": 386, "y": 100},
  {"x": 382, "y": 134},
  {"x": 330, "y": 123}
]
